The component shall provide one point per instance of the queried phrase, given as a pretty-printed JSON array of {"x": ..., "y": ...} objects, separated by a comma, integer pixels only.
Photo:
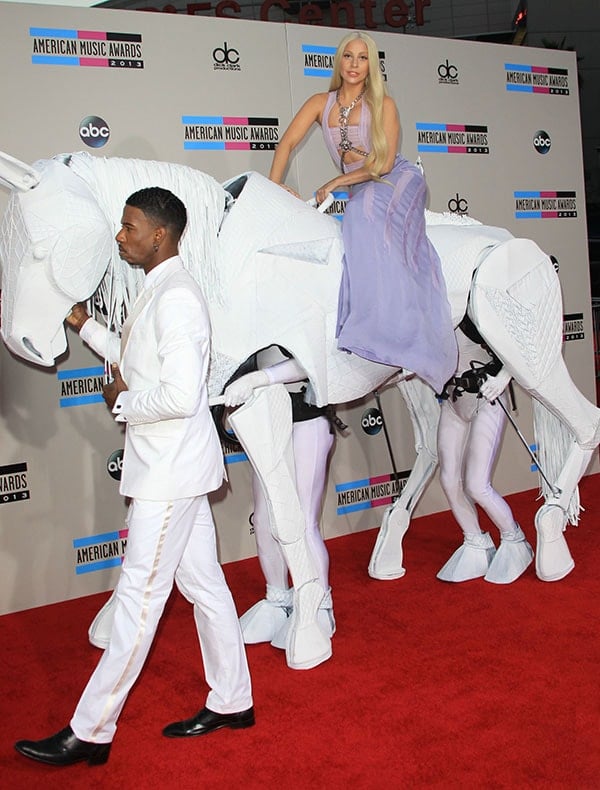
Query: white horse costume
[{"x": 270, "y": 267}]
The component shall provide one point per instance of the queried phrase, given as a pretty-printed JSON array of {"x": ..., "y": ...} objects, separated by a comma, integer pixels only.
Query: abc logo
[
  {"x": 114, "y": 465},
  {"x": 446, "y": 71},
  {"x": 94, "y": 131},
  {"x": 542, "y": 142},
  {"x": 458, "y": 205},
  {"x": 226, "y": 54},
  {"x": 371, "y": 421}
]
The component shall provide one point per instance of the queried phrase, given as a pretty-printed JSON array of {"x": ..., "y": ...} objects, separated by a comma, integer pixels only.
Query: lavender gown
[{"x": 393, "y": 306}]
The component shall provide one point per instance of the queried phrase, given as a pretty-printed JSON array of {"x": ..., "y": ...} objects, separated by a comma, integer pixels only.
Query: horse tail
[{"x": 554, "y": 442}]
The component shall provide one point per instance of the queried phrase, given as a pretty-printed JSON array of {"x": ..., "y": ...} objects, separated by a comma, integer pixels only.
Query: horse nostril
[{"x": 30, "y": 347}]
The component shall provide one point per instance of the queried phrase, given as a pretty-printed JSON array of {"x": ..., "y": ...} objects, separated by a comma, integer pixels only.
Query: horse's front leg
[
  {"x": 387, "y": 556},
  {"x": 263, "y": 425}
]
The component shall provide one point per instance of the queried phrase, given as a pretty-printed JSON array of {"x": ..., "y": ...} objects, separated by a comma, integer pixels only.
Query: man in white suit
[{"x": 172, "y": 459}]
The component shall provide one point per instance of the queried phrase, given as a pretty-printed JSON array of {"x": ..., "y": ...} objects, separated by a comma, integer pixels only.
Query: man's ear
[{"x": 160, "y": 234}]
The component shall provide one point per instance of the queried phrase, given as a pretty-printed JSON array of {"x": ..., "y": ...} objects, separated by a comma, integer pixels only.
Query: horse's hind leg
[
  {"x": 553, "y": 560},
  {"x": 264, "y": 427}
]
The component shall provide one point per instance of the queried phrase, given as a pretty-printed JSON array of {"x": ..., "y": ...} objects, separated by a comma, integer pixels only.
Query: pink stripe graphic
[
  {"x": 92, "y": 34},
  {"x": 93, "y": 62}
]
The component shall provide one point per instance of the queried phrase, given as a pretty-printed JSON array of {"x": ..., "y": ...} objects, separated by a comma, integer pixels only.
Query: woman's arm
[
  {"x": 310, "y": 112},
  {"x": 391, "y": 128}
]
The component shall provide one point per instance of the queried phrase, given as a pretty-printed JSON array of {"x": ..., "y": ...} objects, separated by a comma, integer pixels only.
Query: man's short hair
[{"x": 162, "y": 207}]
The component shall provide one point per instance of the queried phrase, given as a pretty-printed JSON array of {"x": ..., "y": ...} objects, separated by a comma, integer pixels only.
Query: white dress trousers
[{"x": 166, "y": 540}]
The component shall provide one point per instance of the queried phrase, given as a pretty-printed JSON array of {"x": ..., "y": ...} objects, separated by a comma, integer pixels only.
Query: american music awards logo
[
  {"x": 64, "y": 47},
  {"x": 573, "y": 327},
  {"x": 97, "y": 552},
  {"x": 229, "y": 133},
  {"x": 337, "y": 208},
  {"x": 447, "y": 73},
  {"x": 545, "y": 204},
  {"x": 13, "y": 483},
  {"x": 370, "y": 492},
  {"x": 226, "y": 58},
  {"x": 81, "y": 386},
  {"x": 452, "y": 138},
  {"x": 318, "y": 61},
  {"x": 525, "y": 78}
]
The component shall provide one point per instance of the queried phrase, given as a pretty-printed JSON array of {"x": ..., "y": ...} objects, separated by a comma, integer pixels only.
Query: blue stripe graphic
[
  {"x": 353, "y": 484},
  {"x": 81, "y": 400},
  {"x": 352, "y": 508},
  {"x": 98, "y": 566},
  {"x": 52, "y": 32},
  {"x": 210, "y": 119},
  {"x": 49, "y": 60},
  {"x": 91, "y": 540},
  {"x": 80, "y": 373}
]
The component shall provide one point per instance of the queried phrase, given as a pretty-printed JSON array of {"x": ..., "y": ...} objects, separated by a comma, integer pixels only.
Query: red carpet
[{"x": 431, "y": 685}]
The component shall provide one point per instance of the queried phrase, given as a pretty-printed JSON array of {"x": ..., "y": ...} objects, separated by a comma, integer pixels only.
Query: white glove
[
  {"x": 494, "y": 386},
  {"x": 241, "y": 390}
]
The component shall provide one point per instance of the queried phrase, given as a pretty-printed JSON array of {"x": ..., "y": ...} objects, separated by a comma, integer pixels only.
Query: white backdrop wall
[{"x": 148, "y": 86}]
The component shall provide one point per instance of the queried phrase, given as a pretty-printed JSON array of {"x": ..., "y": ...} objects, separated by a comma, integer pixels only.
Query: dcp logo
[
  {"x": 371, "y": 422},
  {"x": 114, "y": 465},
  {"x": 542, "y": 142},
  {"x": 447, "y": 72},
  {"x": 458, "y": 205},
  {"x": 94, "y": 131},
  {"x": 226, "y": 54}
]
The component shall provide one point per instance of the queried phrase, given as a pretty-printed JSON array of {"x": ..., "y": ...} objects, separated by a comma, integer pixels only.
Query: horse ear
[{"x": 15, "y": 174}]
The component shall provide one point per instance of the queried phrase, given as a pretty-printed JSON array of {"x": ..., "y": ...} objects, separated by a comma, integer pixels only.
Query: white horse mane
[{"x": 112, "y": 180}]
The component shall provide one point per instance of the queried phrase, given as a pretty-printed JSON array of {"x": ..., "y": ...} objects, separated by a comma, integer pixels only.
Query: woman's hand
[{"x": 325, "y": 190}]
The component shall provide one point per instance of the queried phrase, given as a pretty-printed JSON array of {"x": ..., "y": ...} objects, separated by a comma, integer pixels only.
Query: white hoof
[
  {"x": 387, "y": 556},
  {"x": 307, "y": 644},
  {"x": 512, "y": 559},
  {"x": 325, "y": 619},
  {"x": 266, "y": 618},
  {"x": 553, "y": 560},
  {"x": 470, "y": 561},
  {"x": 307, "y": 647},
  {"x": 99, "y": 630},
  {"x": 262, "y": 622}
]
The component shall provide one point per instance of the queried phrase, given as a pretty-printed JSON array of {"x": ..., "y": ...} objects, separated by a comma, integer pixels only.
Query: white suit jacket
[{"x": 172, "y": 450}]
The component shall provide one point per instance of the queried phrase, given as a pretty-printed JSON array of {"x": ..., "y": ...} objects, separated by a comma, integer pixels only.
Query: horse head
[{"x": 55, "y": 245}]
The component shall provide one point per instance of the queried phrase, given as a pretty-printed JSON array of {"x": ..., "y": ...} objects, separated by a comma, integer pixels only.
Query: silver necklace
[
  {"x": 345, "y": 144},
  {"x": 345, "y": 111}
]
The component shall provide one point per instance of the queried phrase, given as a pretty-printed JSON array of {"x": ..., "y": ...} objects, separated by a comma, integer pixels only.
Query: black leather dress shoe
[
  {"x": 64, "y": 748},
  {"x": 206, "y": 721}
]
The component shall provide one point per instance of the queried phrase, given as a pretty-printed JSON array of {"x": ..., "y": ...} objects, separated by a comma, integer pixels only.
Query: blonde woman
[{"x": 393, "y": 306}]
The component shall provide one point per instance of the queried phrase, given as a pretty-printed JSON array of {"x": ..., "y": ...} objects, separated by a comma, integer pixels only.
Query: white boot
[
  {"x": 512, "y": 559},
  {"x": 325, "y": 619},
  {"x": 265, "y": 619},
  {"x": 471, "y": 560}
]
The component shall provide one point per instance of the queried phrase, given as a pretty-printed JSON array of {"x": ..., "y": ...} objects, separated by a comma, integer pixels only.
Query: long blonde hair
[{"x": 375, "y": 91}]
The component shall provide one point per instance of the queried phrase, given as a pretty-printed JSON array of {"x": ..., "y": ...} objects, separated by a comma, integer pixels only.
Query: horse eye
[{"x": 39, "y": 252}]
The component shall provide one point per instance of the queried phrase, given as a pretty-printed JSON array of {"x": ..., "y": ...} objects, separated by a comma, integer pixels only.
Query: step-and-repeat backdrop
[{"x": 497, "y": 129}]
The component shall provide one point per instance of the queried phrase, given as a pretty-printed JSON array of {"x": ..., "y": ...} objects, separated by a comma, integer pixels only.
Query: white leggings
[
  {"x": 312, "y": 442},
  {"x": 469, "y": 436}
]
